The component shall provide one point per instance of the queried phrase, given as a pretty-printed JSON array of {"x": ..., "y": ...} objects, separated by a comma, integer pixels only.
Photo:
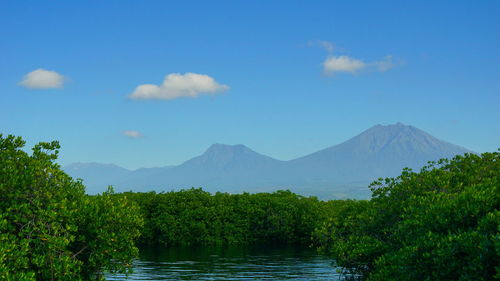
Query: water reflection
[{"x": 231, "y": 263}]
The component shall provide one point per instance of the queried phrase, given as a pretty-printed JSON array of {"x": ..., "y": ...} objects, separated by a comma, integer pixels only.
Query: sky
[{"x": 154, "y": 83}]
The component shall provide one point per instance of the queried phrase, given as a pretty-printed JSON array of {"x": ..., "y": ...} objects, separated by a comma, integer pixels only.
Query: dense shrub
[
  {"x": 49, "y": 228},
  {"x": 195, "y": 217},
  {"x": 439, "y": 224}
]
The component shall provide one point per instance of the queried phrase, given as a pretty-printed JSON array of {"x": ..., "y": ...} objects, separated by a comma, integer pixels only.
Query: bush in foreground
[
  {"x": 439, "y": 224},
  {"x": 49, "y": 228}
]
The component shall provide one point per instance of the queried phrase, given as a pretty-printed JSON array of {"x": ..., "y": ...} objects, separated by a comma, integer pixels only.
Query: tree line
[
  {"x": 196, "y": 217},
  {"x": 441, "y": 223}
]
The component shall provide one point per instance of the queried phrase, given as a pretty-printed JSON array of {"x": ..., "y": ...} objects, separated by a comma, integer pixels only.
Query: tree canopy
[
  {"x": 441, "y": 223},
  {"x": 50, "y": 229},
  {"x": 196, "y": 217}
]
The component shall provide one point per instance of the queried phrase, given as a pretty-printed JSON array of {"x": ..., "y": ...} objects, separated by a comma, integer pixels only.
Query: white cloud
[
  {"x": 341, "y": 63},
  {"x": 385, "y": 64},
  {"x": 42, "y": 79},
  {"x": 176, "y": 85},
  {"x": 328, "y": 46},
  {"x": 334, "y": 64},
  {"x": 132, "y": 134}
]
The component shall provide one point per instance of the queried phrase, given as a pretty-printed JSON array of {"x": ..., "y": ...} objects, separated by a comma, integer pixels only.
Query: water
[{"x": 233, "y": 263}]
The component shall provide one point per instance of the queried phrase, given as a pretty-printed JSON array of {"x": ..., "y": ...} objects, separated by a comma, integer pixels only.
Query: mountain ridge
[{"x": 341, "y": 170}]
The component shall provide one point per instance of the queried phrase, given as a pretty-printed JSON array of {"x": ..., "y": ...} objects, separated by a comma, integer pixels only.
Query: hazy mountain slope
[
  {"x": 342, "y": 170},
  {"x": 221, "y": 167},
  {"x": 380, "y": 151},
  {"x": 96, "y": 176}
]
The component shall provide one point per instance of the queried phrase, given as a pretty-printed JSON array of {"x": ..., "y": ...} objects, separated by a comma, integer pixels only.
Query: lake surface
[{"x": 231, "y": 263}]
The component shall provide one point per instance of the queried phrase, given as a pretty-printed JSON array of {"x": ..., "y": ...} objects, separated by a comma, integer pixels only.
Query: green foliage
[
  {"x": 195, "y": 217},
  {"x": 108, "y": 228},
  {"x": 49, "y": 228},
  {"x": 439, "y": 224}
]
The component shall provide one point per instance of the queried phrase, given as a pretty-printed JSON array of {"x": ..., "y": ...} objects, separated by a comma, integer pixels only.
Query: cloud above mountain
[
  {"x": 132, "y": 134},
  {"x": 328, "y": 46},
  {"x": 176, "y": 85},
  {"x": 385, "y": 64},
  {"x": 337, "y": 64},
  {"x": 42, "y": 79},
  {"x": 334, "y": 63}
]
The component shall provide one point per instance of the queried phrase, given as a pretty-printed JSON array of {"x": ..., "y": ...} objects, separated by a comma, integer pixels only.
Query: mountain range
[{"x": 339, "y": 171}]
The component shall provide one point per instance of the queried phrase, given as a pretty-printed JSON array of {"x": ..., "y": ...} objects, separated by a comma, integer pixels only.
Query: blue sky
[{"x": 285, "y": 78}]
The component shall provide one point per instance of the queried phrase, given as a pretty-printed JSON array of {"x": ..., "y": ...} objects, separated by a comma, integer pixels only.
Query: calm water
[{"x": 262, "y": 263}]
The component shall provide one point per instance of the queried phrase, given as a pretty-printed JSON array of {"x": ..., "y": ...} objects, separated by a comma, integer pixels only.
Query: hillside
[{"x": 339, "y": 171}]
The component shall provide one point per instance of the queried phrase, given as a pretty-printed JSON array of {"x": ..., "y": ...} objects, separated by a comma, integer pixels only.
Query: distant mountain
[
  {"x": 378, "y": 151},
  {"x": 227, "y": 159},
  {"x": 221, "y": 167},
  {"x": 339, "y": 171},
  {"x": 96, "y": 176},
  {"x": 225, "y": 164}
]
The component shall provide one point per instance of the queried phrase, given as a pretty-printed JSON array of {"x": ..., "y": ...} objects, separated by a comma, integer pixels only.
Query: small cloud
[
  {"x": 385, "y": 64},
  {"x": 132, "y": 134},
  {"x": 328, "y": 46},
  {"x": 176, "y": 85},
  {"x": 341, "y": 63},
  {"x": 42, "y": 79},
  {"x": 334, "y": 64}
]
